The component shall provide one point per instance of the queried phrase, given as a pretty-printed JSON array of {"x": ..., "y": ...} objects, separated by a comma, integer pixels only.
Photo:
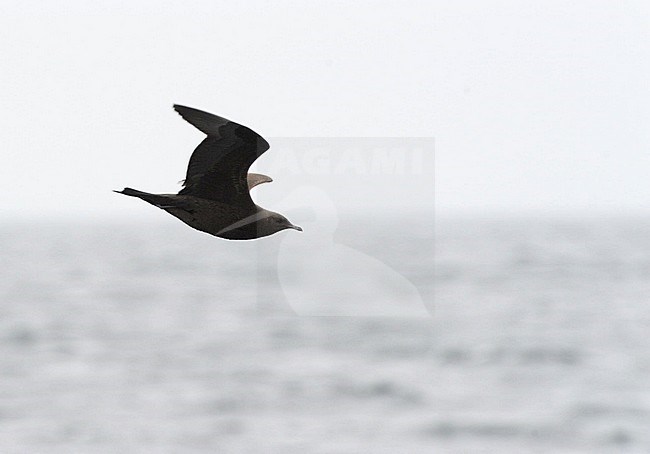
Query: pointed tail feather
[
  {"x": 161, "y": 201},
  {"x": 133, "y": 192}
]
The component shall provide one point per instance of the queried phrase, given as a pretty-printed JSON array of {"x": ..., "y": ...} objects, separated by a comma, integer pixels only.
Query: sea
[{"x": 379, "y": 334}]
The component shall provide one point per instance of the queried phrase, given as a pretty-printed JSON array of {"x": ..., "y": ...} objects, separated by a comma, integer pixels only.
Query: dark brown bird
[{"x": 215, "y": 198}]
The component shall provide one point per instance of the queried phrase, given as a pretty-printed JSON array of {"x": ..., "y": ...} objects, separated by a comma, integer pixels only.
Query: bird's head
[{"x": 276, "y": 222}]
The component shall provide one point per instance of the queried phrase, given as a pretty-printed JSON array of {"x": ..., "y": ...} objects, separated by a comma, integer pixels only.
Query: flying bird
[{"x": 216, "y": 198}]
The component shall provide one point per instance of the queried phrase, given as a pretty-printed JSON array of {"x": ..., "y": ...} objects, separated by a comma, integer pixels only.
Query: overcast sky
[{"x": 538, "y": 105}]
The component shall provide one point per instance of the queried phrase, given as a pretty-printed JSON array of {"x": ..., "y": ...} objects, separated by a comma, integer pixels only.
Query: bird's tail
[
  {"x": 133, "y": 192},
  {"x": 161, "y": 201}
]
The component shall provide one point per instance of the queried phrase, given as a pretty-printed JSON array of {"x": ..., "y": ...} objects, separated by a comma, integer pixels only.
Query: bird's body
[{"x": 216, "y": 198}]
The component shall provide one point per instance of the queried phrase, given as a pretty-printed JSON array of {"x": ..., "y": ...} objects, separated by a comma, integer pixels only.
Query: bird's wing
[
  {"x": 219, "y": 166},
  {"x": 257, "y": 178}
]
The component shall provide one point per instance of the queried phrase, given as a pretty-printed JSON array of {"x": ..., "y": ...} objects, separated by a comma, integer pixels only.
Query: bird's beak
[{"x": 295, "y": 227}]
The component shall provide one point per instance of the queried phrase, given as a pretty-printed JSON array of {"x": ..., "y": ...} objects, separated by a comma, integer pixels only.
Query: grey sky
[{"x": 533, "y": 105}]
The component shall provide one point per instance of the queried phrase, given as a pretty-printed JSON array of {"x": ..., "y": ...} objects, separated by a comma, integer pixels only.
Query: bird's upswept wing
[
  {"x": 255, "y": 179},
  {"x": 219, "y": 166}
]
